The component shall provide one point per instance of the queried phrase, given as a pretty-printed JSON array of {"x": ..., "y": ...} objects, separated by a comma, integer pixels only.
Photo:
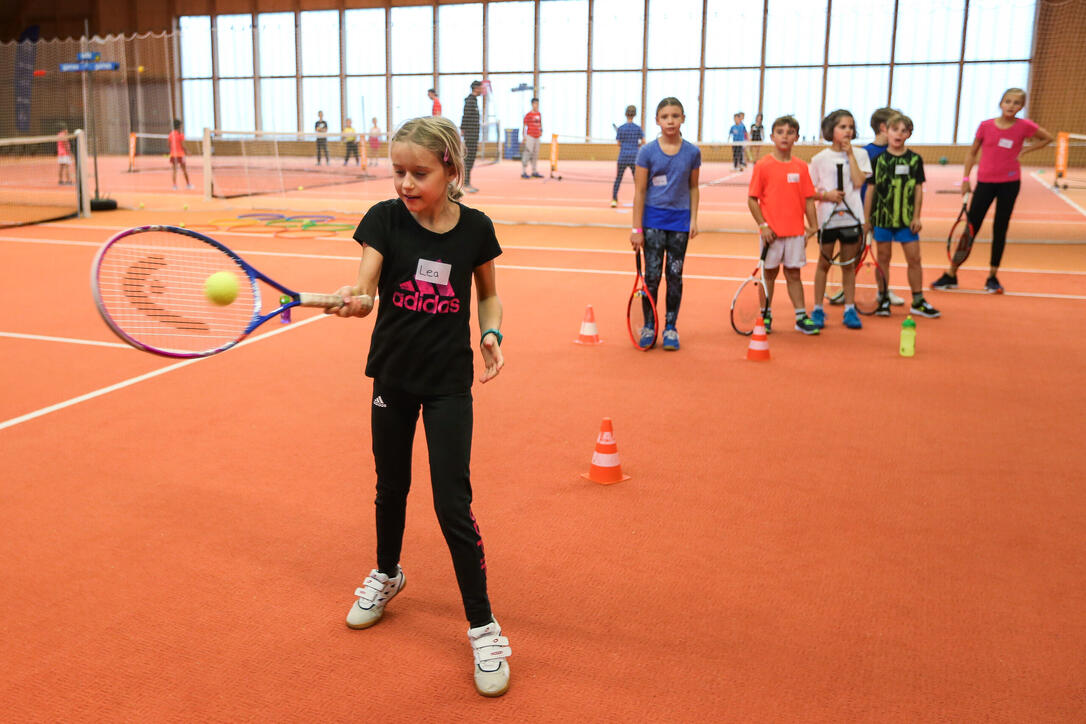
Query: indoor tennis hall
[{"x": 836, "y": 534}]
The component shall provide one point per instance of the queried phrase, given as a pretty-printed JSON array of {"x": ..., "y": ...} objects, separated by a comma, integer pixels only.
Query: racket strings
[{"x": 151, "y": 284}]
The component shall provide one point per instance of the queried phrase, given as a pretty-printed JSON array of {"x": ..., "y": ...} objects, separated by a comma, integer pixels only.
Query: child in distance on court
[
  {"x": 780, "y": 198},
  {"x": 892, "y": 209},
  {"x": 838, "y": 225},
  {"x": 665, "y": 211}
]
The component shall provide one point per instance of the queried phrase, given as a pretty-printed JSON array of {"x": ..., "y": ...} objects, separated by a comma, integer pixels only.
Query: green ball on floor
[{"x": 942, "y": 161}]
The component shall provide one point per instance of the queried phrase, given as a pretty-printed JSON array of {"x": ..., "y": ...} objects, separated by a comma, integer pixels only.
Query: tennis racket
[
  {"x": 845, "y": 245},
  {"x": 149, "y": 287},
  {"x": 749, "y": 305},
  {"x": 959, "y": 242},
  {"x": 869, "y": 278},
  {"x": 641, "y": 311}
]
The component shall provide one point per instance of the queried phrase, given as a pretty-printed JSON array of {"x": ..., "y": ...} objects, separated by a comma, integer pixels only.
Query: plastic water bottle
[{"x": 908, "y": 337}]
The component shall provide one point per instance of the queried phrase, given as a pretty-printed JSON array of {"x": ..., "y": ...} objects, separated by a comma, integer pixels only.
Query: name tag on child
[
  {"x": 660, "y": 180},
  {"x": 793, "y": 178},
  {"x": 1006, "y": 143},
  {"x": 901, "y": 169},
  {"x": 434, "y": 272}
]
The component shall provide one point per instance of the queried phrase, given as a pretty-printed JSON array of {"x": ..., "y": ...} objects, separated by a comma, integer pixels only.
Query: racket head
[
  {"x": 148, "y": 286},
  {"x": 748, "y": 306},
  {"x": 641, "y": 312},
  {"x": 959, "y": 242},
  {"x": 869, "y": 278}
]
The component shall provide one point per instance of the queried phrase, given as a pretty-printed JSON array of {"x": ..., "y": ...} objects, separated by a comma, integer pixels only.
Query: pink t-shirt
[{"x": 999, "y": 150}]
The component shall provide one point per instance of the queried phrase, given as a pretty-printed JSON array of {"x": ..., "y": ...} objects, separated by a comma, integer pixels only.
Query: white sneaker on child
[
  {"x": 374, "y": 593},
  {"x": 490, "y": 649}
]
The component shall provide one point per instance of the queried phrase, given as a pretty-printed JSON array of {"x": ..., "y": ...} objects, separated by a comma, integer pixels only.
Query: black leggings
[
  {"x": 622, "y": 166},
  {"x": 657, "y": 242},
  {"x": 1004, "y": 195},
  {"x": 447, "y": 420}
]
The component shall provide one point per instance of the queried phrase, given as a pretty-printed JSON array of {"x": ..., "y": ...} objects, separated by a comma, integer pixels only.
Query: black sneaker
[
  {"x": 992, "y": 286},
  {"x": 923, "y": 309},
  {"x": 805, "y": 325},
  {"x": 883, "y": 310},
  {"x": 946, "y": 281},
  {"x": 768, "y": 320}
]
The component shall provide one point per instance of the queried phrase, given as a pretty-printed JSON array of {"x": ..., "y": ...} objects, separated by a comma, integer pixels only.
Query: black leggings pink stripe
[
  {"x": 673, "y": 243},
  {"x": 1004, "y": 195},
  {"x": 447, "y": 420}
]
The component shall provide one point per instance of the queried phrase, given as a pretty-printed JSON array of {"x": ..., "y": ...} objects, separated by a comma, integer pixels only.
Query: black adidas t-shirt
[{"x": 422, "y": 338}]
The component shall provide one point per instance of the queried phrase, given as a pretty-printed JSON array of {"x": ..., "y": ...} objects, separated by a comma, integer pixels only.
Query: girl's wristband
[
  {"x": 965, "y": 179},
  {"x": 636, "y": 230},
  {"x": 493, "y": 331}
]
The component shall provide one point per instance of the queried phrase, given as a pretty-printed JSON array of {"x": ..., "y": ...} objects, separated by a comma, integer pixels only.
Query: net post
[
  {"x": 205, "y": 150},
  {"x": 81, "y": 172},
  {"x": 554, "y": 152},
  {"x": 1063, "y": 147},
  {"x": 131, "y": 152}
]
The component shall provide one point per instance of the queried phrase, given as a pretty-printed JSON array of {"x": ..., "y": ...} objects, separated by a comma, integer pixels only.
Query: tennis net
[
  {"x": 42, "y": 178},
  {"x": 148, "y": 152}
]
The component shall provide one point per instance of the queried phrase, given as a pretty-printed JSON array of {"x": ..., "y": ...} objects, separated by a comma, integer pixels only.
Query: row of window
[{"x": 276, "y": 70}]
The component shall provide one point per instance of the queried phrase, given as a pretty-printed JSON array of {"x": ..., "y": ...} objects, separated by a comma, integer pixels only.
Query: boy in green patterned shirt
[{"x": 892, "y": 209}]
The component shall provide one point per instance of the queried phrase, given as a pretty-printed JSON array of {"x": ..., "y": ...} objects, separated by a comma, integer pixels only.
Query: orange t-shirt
[
  {"x": 177, "y": 144},
  {"x": 782, "y": 189}
]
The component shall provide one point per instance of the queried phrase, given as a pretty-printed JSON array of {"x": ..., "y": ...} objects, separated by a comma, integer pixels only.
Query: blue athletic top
[
  {"x": 738, "y": 132},
  {"x": 629, "y": 137},
  {"x": 873, "y": 151},
  {"x": 667, "y": 196}
]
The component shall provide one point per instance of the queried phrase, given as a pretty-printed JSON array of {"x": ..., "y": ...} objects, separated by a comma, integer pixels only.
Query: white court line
[
  {"x": 334, "y": 257},
  {"x": 68, "y": 340},
  {"x": 1037, "y": 177},
  {"x": 141, "y": 378}
]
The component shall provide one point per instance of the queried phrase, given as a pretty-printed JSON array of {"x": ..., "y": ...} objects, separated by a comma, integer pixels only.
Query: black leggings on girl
[
  {"x": 447, "y": 420},
  {"x": 1004, "y": 195},
  {"x": 622, "y": 166},
  {"x": 657, "y": 242}
]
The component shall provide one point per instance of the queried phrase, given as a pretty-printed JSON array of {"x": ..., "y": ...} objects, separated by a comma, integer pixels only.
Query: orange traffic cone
[
  {"x": 605, "y": 468},
  {"x": 758, "y": 349},
  {"x": 589, "y": 334}
]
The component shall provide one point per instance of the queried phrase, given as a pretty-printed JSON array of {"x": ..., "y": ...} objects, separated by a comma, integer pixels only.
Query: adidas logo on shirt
[
  {"x": 421, "y": 296},
  {"x": 378, "y": 402}
]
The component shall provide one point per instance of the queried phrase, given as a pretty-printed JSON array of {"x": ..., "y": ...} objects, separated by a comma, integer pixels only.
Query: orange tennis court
[{"x": 837, "y": 534}]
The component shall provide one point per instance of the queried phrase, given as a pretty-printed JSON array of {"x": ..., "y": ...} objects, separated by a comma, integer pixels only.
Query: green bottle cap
[{"x": 908, "y": 322}]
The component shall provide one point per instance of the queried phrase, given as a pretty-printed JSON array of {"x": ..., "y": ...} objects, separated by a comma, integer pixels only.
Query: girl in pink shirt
[{"x": 999, "y": 143}]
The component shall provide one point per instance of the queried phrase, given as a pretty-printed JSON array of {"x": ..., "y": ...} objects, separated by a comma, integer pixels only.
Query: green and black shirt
[{"x": 895, "y": 182}]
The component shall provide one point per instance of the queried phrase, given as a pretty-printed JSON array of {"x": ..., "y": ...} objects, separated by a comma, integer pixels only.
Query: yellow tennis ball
[
  {"x": 185, "y": 207},
  {"x": 140, "y": 69},
  {"x": 141, "y": 204},
  {"x": 301, "y": 188},
  {"x": 221, "y": 288}
]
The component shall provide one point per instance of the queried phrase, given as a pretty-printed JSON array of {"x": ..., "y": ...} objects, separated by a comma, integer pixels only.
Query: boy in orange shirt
[{"x": 781, "y": 195}]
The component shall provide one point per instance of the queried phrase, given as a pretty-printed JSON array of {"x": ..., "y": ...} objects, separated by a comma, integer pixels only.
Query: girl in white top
[{"x": 839, "y": 128}]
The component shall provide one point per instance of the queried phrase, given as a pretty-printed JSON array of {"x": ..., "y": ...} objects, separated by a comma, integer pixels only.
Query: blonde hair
[
  {"x": 900, "y": 119},
  {"x": 1016, "y": 91},
  {"x": 439, "y": 136}
]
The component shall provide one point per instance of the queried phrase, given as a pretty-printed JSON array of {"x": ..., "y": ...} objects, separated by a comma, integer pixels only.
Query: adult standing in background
[
  {"x": 469, "y": 129},
  {"x": 436, "y": 111}
]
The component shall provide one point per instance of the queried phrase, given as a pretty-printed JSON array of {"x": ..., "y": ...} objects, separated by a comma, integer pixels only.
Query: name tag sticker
[
  {"x": 901, "y": 169},
  {"x": 660, "y": 180},
  {"x": 793, "y": 178},
  {"x": 1006, "y": 143},
  {"x": 434, "y": 272}
]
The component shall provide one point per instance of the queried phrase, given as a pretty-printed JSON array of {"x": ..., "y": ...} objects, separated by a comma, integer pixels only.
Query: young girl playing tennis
[
  {"x": 420, "y": 252},
  {"x": 999, "y": 142},
  {"x": 838, "y": 227},
  {"x": 665, "y": 211}
]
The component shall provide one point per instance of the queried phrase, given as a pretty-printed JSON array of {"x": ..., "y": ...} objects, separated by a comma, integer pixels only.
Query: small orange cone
[
  {"x": 758, "y": 349},
  {"x": 589, "y": 333},
  {"x": 605, "y": 468}
]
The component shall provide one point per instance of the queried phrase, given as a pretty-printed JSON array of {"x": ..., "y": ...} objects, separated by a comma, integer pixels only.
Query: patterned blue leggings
[{"x": 657, "y": 242}]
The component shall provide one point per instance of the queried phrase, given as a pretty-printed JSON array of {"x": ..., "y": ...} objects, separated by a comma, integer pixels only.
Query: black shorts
[{"x": 842, "y": 234}]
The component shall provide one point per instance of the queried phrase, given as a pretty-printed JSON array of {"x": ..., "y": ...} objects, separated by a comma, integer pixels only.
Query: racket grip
[{"x": 327, "y": 300}]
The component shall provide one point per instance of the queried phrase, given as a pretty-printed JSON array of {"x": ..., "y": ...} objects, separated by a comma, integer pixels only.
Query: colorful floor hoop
[{"x": 311, "y": 217}]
